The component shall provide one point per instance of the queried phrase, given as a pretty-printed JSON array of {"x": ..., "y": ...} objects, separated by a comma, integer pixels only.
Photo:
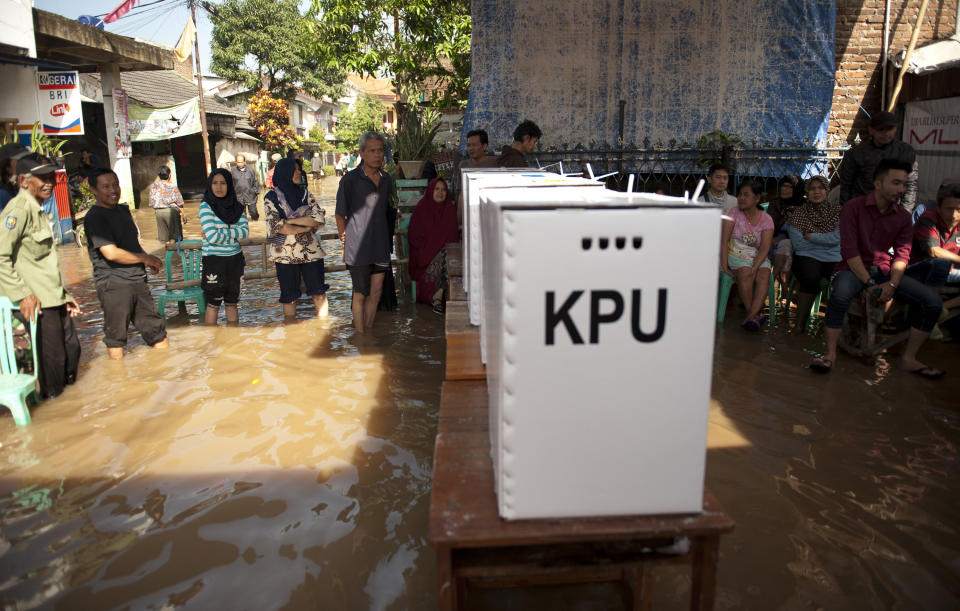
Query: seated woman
[
  {"x": 293, "y": 218},
  {"x": 433, "y": 225},
  {"x": 167, "y": 204},
  {"x": 789, "y": 197},
  {"x": 814, "y": 230},
  {"x": 743, "y": 250},
  {"x": 224, "y": 223}
]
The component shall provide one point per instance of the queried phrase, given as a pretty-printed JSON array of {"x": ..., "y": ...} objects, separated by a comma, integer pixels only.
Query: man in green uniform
[{"x": 30, "y": 275}]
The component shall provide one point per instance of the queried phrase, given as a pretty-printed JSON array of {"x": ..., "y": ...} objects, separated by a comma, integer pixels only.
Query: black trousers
[
  {"x": 126, "y": 302},
  {"x": 252, "y": 212},
  {"x": 808, "y": 272},
  {"x": 58, "y": 350}
]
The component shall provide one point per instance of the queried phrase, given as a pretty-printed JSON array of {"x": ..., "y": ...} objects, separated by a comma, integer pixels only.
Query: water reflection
[{"x": 270, "y": 465}]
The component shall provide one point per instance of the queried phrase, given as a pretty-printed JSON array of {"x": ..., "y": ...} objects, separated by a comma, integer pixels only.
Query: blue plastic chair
[
  {"x": 15, "y": 387},
  {"x": 192, "y": 263},
  {"x": 405, "y": 225}
]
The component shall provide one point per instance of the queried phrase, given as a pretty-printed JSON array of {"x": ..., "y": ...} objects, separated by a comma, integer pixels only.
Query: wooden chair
[
  {"x": 861, "y": 333},
  {"x": 191, "y": 262},
  {"x": 15, "y": 387}
]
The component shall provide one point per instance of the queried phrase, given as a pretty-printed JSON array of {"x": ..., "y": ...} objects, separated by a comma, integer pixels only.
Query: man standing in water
[
  {"x": 119, "y": 269},
  {"x": 246, "y": 186},
  {"x": 30, "y": 275},
  {"x": 362, "y": 201}
]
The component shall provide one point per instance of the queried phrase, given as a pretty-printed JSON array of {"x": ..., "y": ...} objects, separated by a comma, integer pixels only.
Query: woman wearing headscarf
[
  {"x": 224, "y": 224},
  {"x": 293, "y": 218},
  {"x": 433, "y": 225},
  {"x": 814, "y": 230},
  {"x": 789, "y": 196}
]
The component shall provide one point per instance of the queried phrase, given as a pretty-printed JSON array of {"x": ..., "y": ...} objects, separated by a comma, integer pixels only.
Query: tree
[
  {"x": 365, "y": 116},
  {"x": 272, "y": 120},
  {"x": 266, "y": 43},
  {"x": 429, "y": 49}
]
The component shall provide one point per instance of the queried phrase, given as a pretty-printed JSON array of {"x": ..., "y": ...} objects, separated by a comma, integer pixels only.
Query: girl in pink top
[{"x": 743, "y": 250}]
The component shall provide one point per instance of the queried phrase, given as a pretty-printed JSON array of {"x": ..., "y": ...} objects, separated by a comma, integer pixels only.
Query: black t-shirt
[
  {"x": 115, "y": 226},
  {"x": 365, "y": 206}
]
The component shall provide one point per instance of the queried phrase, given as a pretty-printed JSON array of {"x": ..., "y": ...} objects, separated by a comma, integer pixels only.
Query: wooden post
[
  {"x": 203, "y": 110},
  {"x": 906, "y": 58}
]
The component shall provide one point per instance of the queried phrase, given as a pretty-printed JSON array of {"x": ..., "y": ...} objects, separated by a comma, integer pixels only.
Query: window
[{"x": 390, "y": 117}]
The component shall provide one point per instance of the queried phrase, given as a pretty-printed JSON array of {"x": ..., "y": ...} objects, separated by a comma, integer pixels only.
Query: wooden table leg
[
  {"x": 705, "y": 552},
  {"x": 637, "y": 591},
  {"x": 446, "y": 584}
]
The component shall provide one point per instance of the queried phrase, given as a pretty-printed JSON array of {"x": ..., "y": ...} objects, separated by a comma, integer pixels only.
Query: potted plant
[{"x": 414, "y": 139}]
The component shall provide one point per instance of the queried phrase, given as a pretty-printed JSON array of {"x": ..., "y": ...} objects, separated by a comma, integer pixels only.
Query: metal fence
[{"x": 678, "y": 169}]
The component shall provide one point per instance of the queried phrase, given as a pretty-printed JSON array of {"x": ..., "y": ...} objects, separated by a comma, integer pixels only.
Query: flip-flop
[
  {"x": 762, "y": 320},
  {"x": 821, "y": 365},
  {"x": 751, "y": 325},
  {"x": 929, "y": 373}
]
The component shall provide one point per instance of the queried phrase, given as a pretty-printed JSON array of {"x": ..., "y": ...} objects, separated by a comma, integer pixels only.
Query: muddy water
[{"x": 288, "y": 466}]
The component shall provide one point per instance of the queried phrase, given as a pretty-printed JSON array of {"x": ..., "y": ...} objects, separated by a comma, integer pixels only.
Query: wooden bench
[{"x": 476, "y": 548}]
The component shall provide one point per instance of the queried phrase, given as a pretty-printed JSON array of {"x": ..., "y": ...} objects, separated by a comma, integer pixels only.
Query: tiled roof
[{"x": 167, "y": 88}]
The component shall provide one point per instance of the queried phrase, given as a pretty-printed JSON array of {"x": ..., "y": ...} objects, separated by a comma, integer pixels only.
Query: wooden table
[
  {"x": 462, "y": 361},
  {"x": 475, "y": 547}
]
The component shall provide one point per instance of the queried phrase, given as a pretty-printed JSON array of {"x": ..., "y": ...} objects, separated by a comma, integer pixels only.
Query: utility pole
[{"x": 203, "y": 110}]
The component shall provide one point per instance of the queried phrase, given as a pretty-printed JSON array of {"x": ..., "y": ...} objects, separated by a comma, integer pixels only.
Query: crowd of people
[
  {"x": 862, "y": 240},
  {"x": 866, "y": 244}
]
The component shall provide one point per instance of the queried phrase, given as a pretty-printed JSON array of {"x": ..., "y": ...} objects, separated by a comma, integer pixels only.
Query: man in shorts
[
  {"x": 363, "y": 199},
  {"x": 119, "y": 269}
]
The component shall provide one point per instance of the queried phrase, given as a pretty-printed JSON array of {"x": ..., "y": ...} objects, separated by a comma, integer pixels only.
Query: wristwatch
[{"x": 892, "y": 284}]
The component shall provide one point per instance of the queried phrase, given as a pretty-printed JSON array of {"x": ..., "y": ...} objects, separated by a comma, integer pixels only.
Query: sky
[{"x": 162, "y": 22}]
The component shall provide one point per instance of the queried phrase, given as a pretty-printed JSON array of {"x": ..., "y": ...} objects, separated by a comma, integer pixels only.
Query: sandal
[
  {"x": 929, "y": 373},
  {"x": 751, "y": 325},
  {"x": 438, "y": 307},
  {"x": 821, "y": 365}
]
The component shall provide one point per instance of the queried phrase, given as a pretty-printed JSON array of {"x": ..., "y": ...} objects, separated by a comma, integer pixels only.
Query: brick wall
[
  {"x": 185, "y": 67},
  {"x": 859, "y": 52}
]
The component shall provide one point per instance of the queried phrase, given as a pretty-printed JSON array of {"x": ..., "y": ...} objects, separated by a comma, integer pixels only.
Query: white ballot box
[
  {"x": 599, "y": 318},
  {"x": 474, "y": 181}
]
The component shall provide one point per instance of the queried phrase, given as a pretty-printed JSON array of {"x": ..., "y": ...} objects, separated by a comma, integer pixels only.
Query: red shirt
[
  {"x": 867, "y": 233},
  {"x": 931, "y": 232}
]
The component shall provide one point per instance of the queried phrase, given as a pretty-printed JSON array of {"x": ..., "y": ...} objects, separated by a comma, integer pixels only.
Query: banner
[
  {"x": 760, "y": 70},
  {"x": 932, "y": 128},
  {"x": 121, "y": 131},
  {"x": 151, "y": 124},
  {"x": 59, "y": 105}
]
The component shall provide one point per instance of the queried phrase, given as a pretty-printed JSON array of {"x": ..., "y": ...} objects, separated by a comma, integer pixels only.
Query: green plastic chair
[
  {"x": 822, "y": 294},
  {"x": 727, "y": 282},
  {"x": 15, "y": 387},
  {"x": 405, "y": 224},
  {"x": 191, "y": 261}
]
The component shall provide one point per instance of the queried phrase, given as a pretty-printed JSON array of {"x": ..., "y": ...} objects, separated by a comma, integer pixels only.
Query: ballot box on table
[
  {"x": 473, "y": 181},
  {"x": 599, "y": 322}
]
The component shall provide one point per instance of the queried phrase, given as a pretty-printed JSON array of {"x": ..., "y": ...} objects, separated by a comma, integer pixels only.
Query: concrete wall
[
  {"x": 16, "y": 25},
  {"x": 228, "y": 148},
  {"x": 859, "y": 48}
]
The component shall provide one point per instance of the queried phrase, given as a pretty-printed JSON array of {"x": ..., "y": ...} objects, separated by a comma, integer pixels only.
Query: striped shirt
[{"x": 220, "y": 239}]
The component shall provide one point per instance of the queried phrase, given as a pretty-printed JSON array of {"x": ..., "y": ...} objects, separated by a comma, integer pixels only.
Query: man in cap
[
  {"x": 30, "y": 275},
  {"x": 860, "y": 162}
]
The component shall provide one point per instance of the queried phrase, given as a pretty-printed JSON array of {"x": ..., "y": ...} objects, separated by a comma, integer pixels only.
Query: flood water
[{"x": 275, "y": 465}]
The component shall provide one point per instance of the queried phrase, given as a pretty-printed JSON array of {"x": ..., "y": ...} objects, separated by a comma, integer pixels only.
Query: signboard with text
[
  {"x": 932, "y": 128},
  {"x": 59, "y": 103}
]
